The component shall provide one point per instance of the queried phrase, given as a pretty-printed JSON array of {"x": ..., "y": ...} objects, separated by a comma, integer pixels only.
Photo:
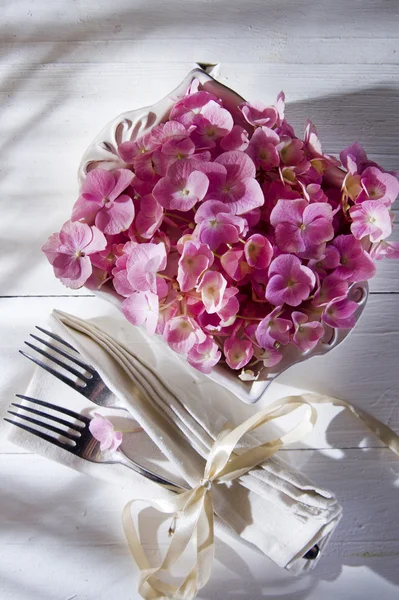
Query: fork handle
[{"x": 122, "y": 459}]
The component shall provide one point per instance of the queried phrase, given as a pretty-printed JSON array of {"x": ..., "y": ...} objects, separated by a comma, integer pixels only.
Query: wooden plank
[{"x": 345, "y": 372}]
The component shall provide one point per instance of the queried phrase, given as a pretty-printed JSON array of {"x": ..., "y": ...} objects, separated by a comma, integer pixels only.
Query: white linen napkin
[{"x": 273, "y": 508}]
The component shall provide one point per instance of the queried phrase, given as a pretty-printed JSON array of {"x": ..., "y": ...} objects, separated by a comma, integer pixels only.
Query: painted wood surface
[{"x": 68, "y": 67}]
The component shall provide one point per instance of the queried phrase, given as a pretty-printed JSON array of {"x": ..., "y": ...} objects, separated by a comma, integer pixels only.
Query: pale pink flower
[
  {"x": 270, "y": 356},
  {"x": 258, "y": 251},
  {"x": 235, "y": 183},
  {"x": 212, "y": 123},
  {"x": 144, "y": 145},
  {"x": 313, "y": 147},
  {"x": 340, "y": 313},
  {"x": 143, "y": 263},
  {"x": 354, "y": 158},
  {"x": 149, "y": 217},
  {"x": 185, "y": 109},
  {"x": 262, "y": 148},
  {"x": 280, "y": 107},
  {"x": 68, "y": 252},
  {"x": 212, "y": 287},
  {"x": 371, "y": 218},
  {"x": 204, "y": 356},
  {"x": 273, "y": 327},
  {"x": 307, "y": 333},
  {"x": 104, "y": 432},
  {"x": 313, "y": 192},
  {"x": 355, "y": 264},
  {"x": 102, "y": 202},
  {"x": 182, "y": 333},
  {"x": 238, "y": 353},
  {"x": 142, "y": 308},
  {"x": 236, "y": 139},
  {"x": 234, "y": 263},
  {"x": 230, "y": 307},
  {"x": 290, "y": 282},
  {"x": 258, "y": 114},
  {"x": 378, "y": 185},
  {"x": 195, "y": 259},
  {"x": 216, "y": 224},
  {"x": 302, "y": 227},
  {"x": 182, "y": 188},
  {"x": 385, "y": 249}
]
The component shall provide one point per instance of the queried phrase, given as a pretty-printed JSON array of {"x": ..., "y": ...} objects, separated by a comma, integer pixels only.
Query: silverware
[
  {"x": 75, "y": 436},
  {"x": 87, "y": 380}
]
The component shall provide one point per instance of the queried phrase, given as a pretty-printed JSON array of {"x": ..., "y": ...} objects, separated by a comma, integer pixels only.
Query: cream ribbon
[{"x": 194, "y": 508}]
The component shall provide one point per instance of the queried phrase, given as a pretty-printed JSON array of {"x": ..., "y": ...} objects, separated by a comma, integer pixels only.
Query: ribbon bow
[{"x": 193, "y": 509}]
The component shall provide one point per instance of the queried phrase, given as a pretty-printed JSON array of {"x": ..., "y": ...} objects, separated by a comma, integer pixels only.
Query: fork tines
[
  {"x": 84, "y": 378},
  {"x": 71, "y": 434}
]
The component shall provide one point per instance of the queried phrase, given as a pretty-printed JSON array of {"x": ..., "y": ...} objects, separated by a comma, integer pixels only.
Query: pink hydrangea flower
[
  {"x": 217, "y": 224},
  {"x": 328, "y": 261},
  {"x": 371, "y": 218},
  {"x": 142, "y": 308},
  {"x": 290, "y": 282},
  {"x": 235, "y": 265},
  {"x": 302, "y": 227},
  {"x": 236, "y": 139},
  {"x": 149, "y": 217},
  {"x": 182, "y": 188},
  {"x": 355, "y": 264},
  {"x": 143, "y": 263},
  {"x": 212, "y": 287},
  {"x": 104, "y": 432},
  {"x": 230, "y": 307},
  {"x": 307, "y": 333},
  {"x": 212, "y": 123},
  {"x": 258, "y": 251},
  {"x": 258, "y": 114},
  {"x": 69, "y": 252},
  {"x": 340, "y": 313},
  {"x": 273, "y": 327},
  {"x": 270, "y": 355},
  {"x": 378, "y": 186},
  {"x": 262, "y": 148},
  {"x": 195, "y": 259},
  {"x": 292, "y": 154},
  {"x": 182, "y": 333},
  {"x": 331, "y": 288},
  {"x": 188, "y": 107},
  {"x": 238, "y": 353},
  {"x": 204, "y": 356},
  {"x": 235, "y": 182},
  {"x": 385, "y": 249},
  {"x": 103, "y": 203}
]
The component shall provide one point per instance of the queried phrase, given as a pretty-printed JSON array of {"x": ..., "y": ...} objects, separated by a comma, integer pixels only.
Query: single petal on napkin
[{"x": 273, "y": 508}]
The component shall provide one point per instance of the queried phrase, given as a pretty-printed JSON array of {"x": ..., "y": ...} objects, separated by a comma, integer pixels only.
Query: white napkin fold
[{"x": 274, "y": 508}]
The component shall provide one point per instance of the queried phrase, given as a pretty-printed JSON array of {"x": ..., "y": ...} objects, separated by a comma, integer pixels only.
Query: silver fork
[
  {"x": 88, "y": 381},
  {"x": 75, "y": 436}
]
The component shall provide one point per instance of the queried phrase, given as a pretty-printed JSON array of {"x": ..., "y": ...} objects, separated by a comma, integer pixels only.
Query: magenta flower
[
  {"x": 234, "y": 264},
  {"x": 217, "y": 224},
  {"x": 270, "y": 356},
  {"x": 302, "y": 227},
  {"x": 258, "y": 251},
  {"x": 273, "y": 327},
  {"x": 212, "y": 123},
  {"x": 385, "y": 249},
  {"x": 235, "y": 183},
  {"x": 204, "y": 356},
  {"x": 171, "y": 151},
  {"x": 104, "y": 432},
  {"x": 144, "y": 145},
  {"x": 328, "y": 261},
  {"x": 142, "y": 308},
  {"x": 238, "y": 353},
  {"x": 371, "y": 218},
  {"x": 182, "y": 188},
  {"x": 195, "y": 259},
  {"x": 262, "y": 148},
  {"x": 143, "y": 263},
  {"x": 307, "y": 333},
  {"x": 331, "y": 288},
  {"x": 292, "y": 153},
  {"x": 258, "y": 114},
  {"x": 212, "y": 287},
  {"x": 149, "y": 217},
  {"x": 378, "y": 186},
  {"x": 236, "y": 139},
  {"x": 182, "y": 333},
  {"x": 103, "y": 203},
  {"x": 340, "y": 313},
  {"x": 188, "y": 107},
  {"x": 230, "y": 307},
  {"x": 355, "y": 264},
  {"x": 290, "y": 282},
  {"x": 354, "y": 158},
  {"x": 68, "y": 252}
]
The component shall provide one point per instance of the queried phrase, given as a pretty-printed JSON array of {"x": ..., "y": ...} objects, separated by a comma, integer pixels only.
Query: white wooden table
[{"x": 67, "y": 67}]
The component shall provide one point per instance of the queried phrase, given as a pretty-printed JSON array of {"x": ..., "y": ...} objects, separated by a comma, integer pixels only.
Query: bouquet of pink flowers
[{"x": 228, "y": 235}]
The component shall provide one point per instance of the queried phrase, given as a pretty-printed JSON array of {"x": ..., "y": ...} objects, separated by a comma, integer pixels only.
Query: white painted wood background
[{"x": 67, "y": 67}]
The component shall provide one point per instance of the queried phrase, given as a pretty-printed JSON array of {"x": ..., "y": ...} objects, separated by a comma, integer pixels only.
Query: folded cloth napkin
[{"x": 273, "y": 508}]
